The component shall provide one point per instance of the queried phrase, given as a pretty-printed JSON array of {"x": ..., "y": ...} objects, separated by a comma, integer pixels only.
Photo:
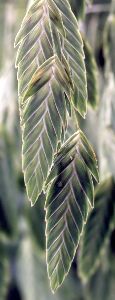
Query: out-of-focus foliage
[
  {"x": 4, "y": 267},
  {"x": 23, "y": 274},
  {"x": 91, "y": 71},
  {"x": 99, "y": 225},
  {"x": 102, "y": 283},
  {"x": 36, "y": 217},
  {"x": 78, "y": 7},
  {"x": 8, "y": 190},
  {"x": 109, "y": 38}
]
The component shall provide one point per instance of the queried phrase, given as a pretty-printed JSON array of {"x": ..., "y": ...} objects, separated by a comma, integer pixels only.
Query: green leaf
[
  {"x": 67, "y": 205},
  {"x": 73, "y": 51},
  {"x": 49, "y": 27},
  {"x": 38, "y": 44},
  {"x": 51, "y": 68},
  {"x": 35, "y": 43},
  {"x": 97, "y": 229},
  {"x": 86, "y": 152},
  {"x": 43, "y": 117},
  {"x": 91, "y": 71}
]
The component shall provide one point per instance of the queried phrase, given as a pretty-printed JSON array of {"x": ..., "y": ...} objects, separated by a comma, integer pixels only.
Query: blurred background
[{"x": 23, "y": 273}]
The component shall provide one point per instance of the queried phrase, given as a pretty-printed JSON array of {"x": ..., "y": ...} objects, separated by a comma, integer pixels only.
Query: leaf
[
  {"x": 43, "y": 117},
  {"x": 72, "y": 48},
  {"x": 50, "y": 46},
  {"x": 97, "y": 229},
  {"x": 91, "y": 71},
  {"x": 67, "y": 204},
  {"x": 86, "y": 153},
  {"x": 35, "y": 43},
  {"x": 39, "y": 38}
]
